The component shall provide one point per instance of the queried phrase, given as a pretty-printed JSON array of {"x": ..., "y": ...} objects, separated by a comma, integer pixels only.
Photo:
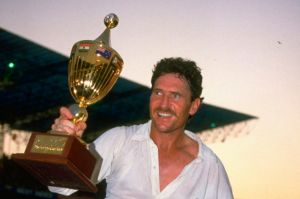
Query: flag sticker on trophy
[
  {"x": 103, "y": 52},
  {"x": 84, "y": 47}
]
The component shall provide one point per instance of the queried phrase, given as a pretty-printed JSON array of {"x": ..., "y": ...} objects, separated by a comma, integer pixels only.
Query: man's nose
[{"x": 164, "y": 101}]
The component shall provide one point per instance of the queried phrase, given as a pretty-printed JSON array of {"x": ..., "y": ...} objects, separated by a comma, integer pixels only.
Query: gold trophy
[{"x": 60, "y": 160}]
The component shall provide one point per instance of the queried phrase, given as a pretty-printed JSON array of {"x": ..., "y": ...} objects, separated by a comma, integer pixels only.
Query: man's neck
[{"x": 167, "y": 140}]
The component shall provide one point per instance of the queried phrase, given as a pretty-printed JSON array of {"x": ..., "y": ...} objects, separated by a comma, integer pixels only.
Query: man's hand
[{"x": 64, "y": 124}]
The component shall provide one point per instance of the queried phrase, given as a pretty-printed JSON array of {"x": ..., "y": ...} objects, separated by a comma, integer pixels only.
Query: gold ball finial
[{"x": 111, "y": 20}]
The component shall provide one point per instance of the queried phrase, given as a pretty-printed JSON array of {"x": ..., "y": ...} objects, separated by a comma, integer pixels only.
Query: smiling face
[{"x": 171, "y": 104}]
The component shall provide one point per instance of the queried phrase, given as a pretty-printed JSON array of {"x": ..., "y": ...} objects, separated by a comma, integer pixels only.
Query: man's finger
[{"x": 66, "y": 113}]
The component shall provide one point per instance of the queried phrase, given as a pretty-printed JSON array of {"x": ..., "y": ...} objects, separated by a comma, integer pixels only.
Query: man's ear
[{"x": 195, "y": 105}]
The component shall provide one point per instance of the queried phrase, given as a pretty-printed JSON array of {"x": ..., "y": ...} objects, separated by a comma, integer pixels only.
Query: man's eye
[
  {"x": 157, "y": 92},
  {"x": 176, "y": 95}
]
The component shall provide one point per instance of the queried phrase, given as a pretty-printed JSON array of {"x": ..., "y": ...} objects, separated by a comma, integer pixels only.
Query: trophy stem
[{"x": 80, "y": 113}]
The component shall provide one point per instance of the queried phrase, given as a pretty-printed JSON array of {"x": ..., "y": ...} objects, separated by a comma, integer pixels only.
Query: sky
[{"x": 249, "y": 53}]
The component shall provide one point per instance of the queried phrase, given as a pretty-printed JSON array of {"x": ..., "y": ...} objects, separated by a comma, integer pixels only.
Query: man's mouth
[{"x": 164, "y": 114}]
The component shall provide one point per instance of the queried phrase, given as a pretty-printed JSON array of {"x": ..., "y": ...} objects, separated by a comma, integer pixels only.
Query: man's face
[{"x": 170, "y": 103}]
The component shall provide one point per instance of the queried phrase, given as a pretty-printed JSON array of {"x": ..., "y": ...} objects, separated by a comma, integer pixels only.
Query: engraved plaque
[{"x": 48, "y": 144}]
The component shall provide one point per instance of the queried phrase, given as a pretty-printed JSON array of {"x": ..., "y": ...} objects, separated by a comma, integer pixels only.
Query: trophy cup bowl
[
  {"x": 61, "y": 160},
  {"x": 94, "y": 68}
]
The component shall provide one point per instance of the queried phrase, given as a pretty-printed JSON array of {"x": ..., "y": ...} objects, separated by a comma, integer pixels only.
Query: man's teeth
[{"x": 164, "y": 114}]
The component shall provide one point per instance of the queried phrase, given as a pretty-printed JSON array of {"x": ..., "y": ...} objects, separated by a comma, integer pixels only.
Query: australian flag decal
[{"x": 103, "y": 52}]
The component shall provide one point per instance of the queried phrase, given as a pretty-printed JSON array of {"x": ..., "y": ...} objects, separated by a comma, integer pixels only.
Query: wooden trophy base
[{"x": 59, "y": 160}]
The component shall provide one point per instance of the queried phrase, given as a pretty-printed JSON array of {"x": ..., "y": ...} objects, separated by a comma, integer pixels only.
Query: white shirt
[{"x": 131, "y": 169}]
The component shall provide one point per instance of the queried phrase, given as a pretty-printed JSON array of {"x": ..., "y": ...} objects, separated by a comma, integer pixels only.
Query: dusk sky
[{"x": 249, "y": 53}]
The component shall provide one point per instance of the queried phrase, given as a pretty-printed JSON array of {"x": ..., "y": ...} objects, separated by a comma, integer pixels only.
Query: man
[{"x": 159, "y": 159}]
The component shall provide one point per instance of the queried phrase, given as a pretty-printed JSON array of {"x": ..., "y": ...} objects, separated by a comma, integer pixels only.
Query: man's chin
[{"x": 162, "y": 127}]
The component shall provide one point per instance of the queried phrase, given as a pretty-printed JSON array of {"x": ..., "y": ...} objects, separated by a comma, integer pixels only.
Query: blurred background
[{"x": 249, "y": 53}]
